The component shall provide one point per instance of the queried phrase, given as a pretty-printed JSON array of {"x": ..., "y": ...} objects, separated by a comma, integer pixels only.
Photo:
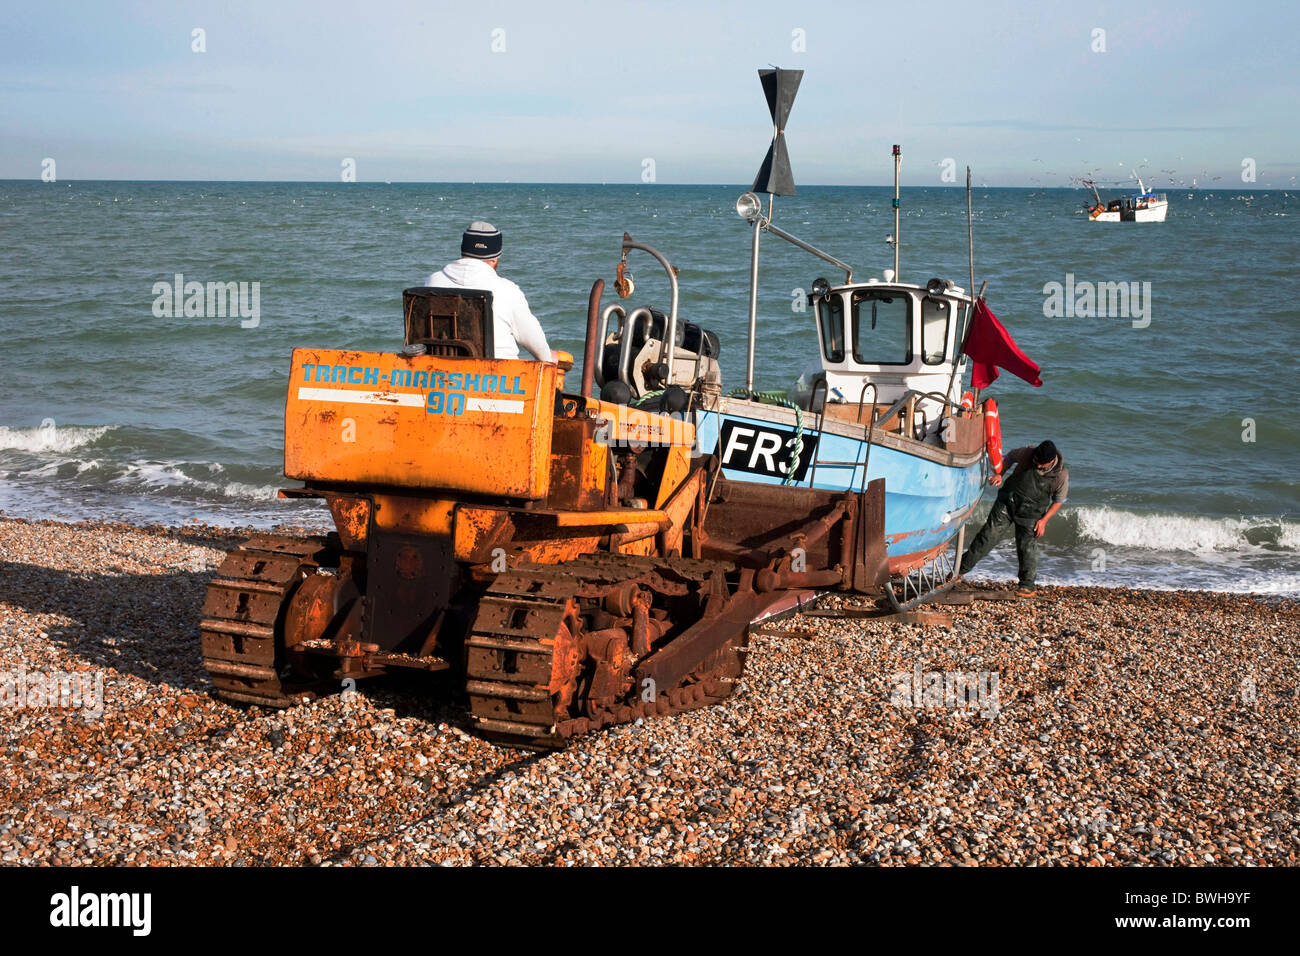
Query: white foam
[
  {"x": 170, "y": 474},
  {"x": 48, "y": 437},
  {"x": 1166, "y": 532},
  {"x": 1280, "y": 585},
  {"x": 157, "y": 474},
  {"x": 242, "y": 490}
]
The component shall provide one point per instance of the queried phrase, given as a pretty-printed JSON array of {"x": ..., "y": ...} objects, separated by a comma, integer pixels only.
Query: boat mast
[
  {"x": 970, "y": 245},
  {"x": 970, "y": 290},
  {"x": 753, "y": 308},
  {"x": 898, "y": 162},
  {"x": 774, "y": 178}
]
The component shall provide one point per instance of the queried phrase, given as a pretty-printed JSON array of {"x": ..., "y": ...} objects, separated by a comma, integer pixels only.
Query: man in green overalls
[{"x": 1034, "y": 492}]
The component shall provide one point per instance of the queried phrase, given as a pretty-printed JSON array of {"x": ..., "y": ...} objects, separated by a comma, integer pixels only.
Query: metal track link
[
  {"x": 510, "y": 652},
  {"x": 242, "y": 617}
]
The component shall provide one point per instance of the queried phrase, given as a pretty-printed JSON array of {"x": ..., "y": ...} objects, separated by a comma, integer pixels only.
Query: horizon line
[{"x": 509, "y": 182}]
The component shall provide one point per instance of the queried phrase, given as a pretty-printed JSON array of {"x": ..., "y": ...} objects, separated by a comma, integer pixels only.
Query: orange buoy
[
  {"x": 968, "y": 400},
  {"x": 993, "y": 435}
]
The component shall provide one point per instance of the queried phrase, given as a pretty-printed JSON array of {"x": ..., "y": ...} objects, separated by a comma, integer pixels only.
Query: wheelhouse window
[
  {"x": 935, "y": 315},
  {"x": 882, "y": 328},
  {"x": 830, "y": 312}
]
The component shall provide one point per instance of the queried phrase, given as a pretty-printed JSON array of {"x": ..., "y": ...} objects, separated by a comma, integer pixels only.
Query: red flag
[{"x": 991, "y": 346}]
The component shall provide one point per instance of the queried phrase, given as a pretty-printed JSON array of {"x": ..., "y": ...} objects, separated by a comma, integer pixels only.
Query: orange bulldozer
[{"x": 572, "y": 560}]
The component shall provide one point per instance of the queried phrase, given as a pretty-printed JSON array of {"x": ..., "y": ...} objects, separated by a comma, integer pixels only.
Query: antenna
[{"x": 898, "y": 165}]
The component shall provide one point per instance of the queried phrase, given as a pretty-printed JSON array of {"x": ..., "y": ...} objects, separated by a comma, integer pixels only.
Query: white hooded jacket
[{"x": 512, "y": 320}]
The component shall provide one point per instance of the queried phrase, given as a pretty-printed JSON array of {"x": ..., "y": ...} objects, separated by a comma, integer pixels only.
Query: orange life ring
[
  {"x": 993, "y": 435},
  {"x": 968, "y": 400}
]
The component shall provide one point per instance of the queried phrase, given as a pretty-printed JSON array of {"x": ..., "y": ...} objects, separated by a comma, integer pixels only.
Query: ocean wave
[
  {"x": 49, "y": 437},
  {"x": 171, "y": 475},
  {"x": 1175, "y": 532},
  {"x": 149, "y": 477}
]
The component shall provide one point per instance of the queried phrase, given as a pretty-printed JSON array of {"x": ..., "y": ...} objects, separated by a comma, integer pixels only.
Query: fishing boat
[
  {"x": 884, "y": 398},
  {"x": 1142, "y": 206}
]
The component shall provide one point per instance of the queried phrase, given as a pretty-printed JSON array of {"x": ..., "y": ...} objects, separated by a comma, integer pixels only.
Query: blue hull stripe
[{"x": 925, "y": 502}]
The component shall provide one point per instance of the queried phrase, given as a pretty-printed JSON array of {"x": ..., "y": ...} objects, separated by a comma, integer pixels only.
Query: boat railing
[
  {"x": 871, "y": 427},
  {"x": 862, "y": 398},
  {"x": 944, "y": 400},
  {"x": 821, "y": 417},
  {"x": 907, "y": 403}
]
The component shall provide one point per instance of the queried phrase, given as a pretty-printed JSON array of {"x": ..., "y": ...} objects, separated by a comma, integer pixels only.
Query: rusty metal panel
[
  {"x": 412, "y": 514},
  {"x": 644, "y": 546},
  {"x": 608, "y": 516},
  {"x": 377, "y": 418},
  {"x": 757, "y": 516},
  {"x": 478, "y": 531},
  {"x": 579, "y": 466},
  {"x": 352, "y": 518},
  {"x": 622, "y": 426},
  {"x": 410, "y": 578},
  {"x": 677, "y": 465},
  {"x": 678, "y": 507},
  {"x": 552, "y": 551},
  {"x": 666, "y": 667},
  {"x": 871, "y": 561}
]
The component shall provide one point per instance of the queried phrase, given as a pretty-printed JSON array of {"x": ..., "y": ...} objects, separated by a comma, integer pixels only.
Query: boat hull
[
  {"x": 926, "y": 501},
  {"x": 1149, "y": 214}
]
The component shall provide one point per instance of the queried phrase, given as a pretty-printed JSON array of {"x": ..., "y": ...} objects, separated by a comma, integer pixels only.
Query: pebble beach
[{"x": 1127, "y": 727}]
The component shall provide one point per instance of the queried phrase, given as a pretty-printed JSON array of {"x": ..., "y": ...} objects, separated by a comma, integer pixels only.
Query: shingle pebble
[{"x": 1132, "y": 727}]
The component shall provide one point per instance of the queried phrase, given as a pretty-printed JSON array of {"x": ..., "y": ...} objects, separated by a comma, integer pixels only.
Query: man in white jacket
[{"x": 513, "y": 322}]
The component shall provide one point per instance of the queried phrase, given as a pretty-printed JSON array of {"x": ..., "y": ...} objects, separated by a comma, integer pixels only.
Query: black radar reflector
[{"x": 774, "y": 176}]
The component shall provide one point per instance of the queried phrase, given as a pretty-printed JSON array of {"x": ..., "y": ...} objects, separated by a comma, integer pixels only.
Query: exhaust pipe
[{"x": 589, "y": 347}]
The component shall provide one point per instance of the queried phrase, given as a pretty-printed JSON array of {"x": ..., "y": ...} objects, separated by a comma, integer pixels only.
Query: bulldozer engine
[
  {"x": 632, "y": 354},
  {"x": 572, "y": 562}
]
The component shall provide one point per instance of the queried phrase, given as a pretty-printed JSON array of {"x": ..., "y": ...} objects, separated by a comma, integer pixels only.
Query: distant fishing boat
[{"x": 1141, "y": 206}]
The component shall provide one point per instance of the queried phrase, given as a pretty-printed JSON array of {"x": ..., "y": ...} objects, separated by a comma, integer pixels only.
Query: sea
[{"x": 1176, "y": 415}]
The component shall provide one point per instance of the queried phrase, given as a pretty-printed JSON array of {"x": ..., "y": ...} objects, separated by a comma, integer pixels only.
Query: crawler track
[
  {"x": 243, "y": 619},
  {"x": 553, "y": 648}
]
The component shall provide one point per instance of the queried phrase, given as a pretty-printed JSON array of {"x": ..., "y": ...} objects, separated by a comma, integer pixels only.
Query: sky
[{"x": 1027, "y": 94}]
